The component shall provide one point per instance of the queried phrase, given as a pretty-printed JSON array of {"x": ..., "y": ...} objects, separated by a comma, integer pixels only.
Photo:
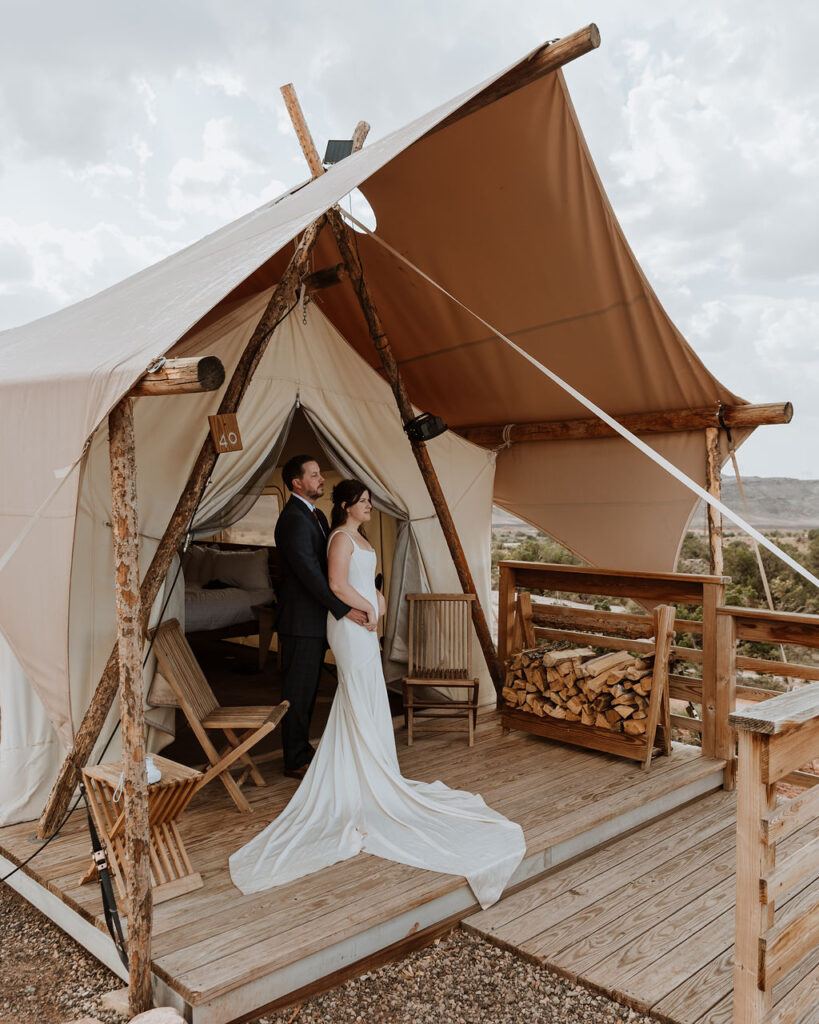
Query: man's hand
[{"x": 356, "y": 616}]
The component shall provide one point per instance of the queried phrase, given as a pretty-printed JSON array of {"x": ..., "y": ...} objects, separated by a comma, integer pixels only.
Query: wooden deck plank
[
  {"x": 722, "y": 1012},
  {"x": 576, "y": 944},
  {"x": 710, "y": 812},
  {"x": 225, "y": 895},
  {"x": 708, "y": 923},
  {"x": 215, "y": 941},
  {"x": 646, "y": 988},
  {"x": 231, "y": 893},
  {"x": 595, "y": 878},
  {"x": 701, "y": 992},
  {"x": 645, "y": 970},
  {"x": 262, "y": 958},
  {"x": 639, "y": 788}
]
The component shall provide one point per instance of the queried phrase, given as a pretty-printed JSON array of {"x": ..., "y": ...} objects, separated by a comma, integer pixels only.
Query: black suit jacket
[{"x": 304, "y": 593}]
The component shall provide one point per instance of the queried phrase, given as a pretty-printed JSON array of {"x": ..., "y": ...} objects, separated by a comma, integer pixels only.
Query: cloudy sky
[{"x": 128, "y": 131}]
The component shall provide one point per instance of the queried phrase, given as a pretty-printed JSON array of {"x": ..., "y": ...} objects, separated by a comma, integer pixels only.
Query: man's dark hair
[{"x": 294, "y": 469}]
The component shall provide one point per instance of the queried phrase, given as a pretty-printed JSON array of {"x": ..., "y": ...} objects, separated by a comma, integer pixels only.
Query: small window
[{"x": 258, "y": 525}]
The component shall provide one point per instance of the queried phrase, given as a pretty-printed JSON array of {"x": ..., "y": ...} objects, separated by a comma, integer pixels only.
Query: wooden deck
[
  {"x": 648, "y": 919},
  {"x": 220, "y": 956}
]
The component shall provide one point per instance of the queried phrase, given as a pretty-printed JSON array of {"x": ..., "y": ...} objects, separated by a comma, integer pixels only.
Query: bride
[{"x": 353, "y": 798}]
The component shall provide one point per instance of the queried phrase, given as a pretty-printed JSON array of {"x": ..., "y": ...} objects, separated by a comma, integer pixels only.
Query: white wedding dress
[{"x": 354, "y": 798}]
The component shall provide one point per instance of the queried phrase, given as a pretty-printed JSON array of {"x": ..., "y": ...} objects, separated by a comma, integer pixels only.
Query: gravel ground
[
  {"x": 460, "y": 980},
  {"x": 46, "y": 978}
]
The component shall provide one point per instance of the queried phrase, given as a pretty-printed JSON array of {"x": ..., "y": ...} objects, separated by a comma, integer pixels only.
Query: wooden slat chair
[
  {"x": 440, "y": 655},
  {"x": 243, "y": 726}
]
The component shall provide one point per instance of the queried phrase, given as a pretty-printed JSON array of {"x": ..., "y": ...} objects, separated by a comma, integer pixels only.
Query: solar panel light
[
  {"x": 424, "y": 427},
  {"x": 337, "y": 149}
]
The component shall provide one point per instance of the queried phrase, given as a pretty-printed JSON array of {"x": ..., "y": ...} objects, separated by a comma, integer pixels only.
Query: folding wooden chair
[
  {"x": 205, "y": 714},
  {"x": 440, "y": 655}
]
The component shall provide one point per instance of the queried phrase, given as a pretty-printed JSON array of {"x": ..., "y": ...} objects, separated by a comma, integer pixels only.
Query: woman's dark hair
[{"x": 346, "y": 493}]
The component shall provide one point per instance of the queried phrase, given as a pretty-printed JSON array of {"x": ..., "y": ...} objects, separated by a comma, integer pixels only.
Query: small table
[
  {"x": 171, "y": 871},
  {"x": 266, "y": 614}
]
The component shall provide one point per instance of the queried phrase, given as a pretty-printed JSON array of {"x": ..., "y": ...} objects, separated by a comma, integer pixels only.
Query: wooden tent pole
[
  {"x": 284, "y": 295},
  {"x": 713, "y": 484},
  {"x": 393, "y": 374},
  {"x": 129, "y": 647}
]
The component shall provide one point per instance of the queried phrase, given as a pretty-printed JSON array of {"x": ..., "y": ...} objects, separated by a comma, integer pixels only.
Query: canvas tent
[{"x": 503, "y": 207}]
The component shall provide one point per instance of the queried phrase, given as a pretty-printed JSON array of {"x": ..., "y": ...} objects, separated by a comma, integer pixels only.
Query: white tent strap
[{"x": 655, "y": 457}]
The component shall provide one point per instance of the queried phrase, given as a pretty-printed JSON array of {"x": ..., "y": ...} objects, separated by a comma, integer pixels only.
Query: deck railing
[
  {"x": 775, "y": 738},
  {"x": 713, "y": 692},
  {"x": 725, "y": 676}
]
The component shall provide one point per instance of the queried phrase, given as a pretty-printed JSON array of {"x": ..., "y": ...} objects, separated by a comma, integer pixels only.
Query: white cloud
[
  {"x": 62, "y": 266},
  {"x": 222, "y": 78},
  {"x": 166, "y": 121},
  {"x": 216, "y": 183}
]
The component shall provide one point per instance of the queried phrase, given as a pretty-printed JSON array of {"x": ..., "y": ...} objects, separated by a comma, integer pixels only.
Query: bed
[{"x": 223, "y": 584}]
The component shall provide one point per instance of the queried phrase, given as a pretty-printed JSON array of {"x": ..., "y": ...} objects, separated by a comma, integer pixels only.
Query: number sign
[{"x": 225, "y": 433}]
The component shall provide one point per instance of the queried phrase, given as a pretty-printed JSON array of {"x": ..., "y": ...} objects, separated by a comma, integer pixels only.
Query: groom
[{"x": 304, "y": 600}]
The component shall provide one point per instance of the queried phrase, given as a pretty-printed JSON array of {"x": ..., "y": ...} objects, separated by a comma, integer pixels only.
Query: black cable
[{"x": 109, "y": 900}]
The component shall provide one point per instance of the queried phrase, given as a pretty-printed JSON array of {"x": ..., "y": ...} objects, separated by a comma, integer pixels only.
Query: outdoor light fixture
[
  {"x": 337, "y": 149},
  {"x": 424, "y": 427}
]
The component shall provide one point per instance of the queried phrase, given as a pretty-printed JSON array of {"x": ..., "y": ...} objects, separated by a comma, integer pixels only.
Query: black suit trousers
[{"x": 302, "y": 658}]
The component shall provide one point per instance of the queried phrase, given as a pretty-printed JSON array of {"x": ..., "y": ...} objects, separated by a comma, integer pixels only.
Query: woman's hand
[
  {"x": 382, "y": 604},
  {"x": 372, "y": 618}
]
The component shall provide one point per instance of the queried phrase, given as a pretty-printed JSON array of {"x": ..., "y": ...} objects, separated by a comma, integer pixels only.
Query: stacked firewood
[{"x": 609, "y": 691}]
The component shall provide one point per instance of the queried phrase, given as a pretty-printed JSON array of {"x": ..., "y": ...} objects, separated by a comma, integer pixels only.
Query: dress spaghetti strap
[{"x": 338, "y": 530}]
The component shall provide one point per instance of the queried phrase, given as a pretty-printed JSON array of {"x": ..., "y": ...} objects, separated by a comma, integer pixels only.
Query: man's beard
[{"x": 312, "y": 495}]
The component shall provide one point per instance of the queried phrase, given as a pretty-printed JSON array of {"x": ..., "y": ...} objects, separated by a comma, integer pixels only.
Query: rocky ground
[{"x": 46, "y": 978}]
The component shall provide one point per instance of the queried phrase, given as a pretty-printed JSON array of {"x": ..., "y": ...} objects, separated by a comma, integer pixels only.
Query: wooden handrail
[
  {"x": 758, "y": 624},
  {"x": 590, "y": 571},
  {"x": 676, "y": 588},
  {"x": 780, "y": 715},
  {"x": 774, "y": 739}
]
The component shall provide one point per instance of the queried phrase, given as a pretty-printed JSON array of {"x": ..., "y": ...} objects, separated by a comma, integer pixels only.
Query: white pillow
[
  {"x": 245, "y": 569},
  {"x": 196, "y": 565}
]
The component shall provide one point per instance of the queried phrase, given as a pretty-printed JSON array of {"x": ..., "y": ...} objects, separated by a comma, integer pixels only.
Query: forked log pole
[
  {"x": 399, "y": 390},
  {"x": 129, "y": 648},
  {"x": 713, "y": 484},
  {"x": 283, "y": 297},
  {"x": 666, "y": 421}
]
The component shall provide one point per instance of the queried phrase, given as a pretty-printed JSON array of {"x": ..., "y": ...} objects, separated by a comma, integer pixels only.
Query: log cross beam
[
  {"x": 545, "y": 59},
  {"x": 664, "y": 421},
  {"x": 181, "y": 377},
  {"x": 382, "y": 345},
  {"x": 283, "y": 297}
]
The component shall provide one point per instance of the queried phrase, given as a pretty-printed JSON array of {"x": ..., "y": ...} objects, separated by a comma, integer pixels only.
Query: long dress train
[{"x": 354, "y": 798}]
